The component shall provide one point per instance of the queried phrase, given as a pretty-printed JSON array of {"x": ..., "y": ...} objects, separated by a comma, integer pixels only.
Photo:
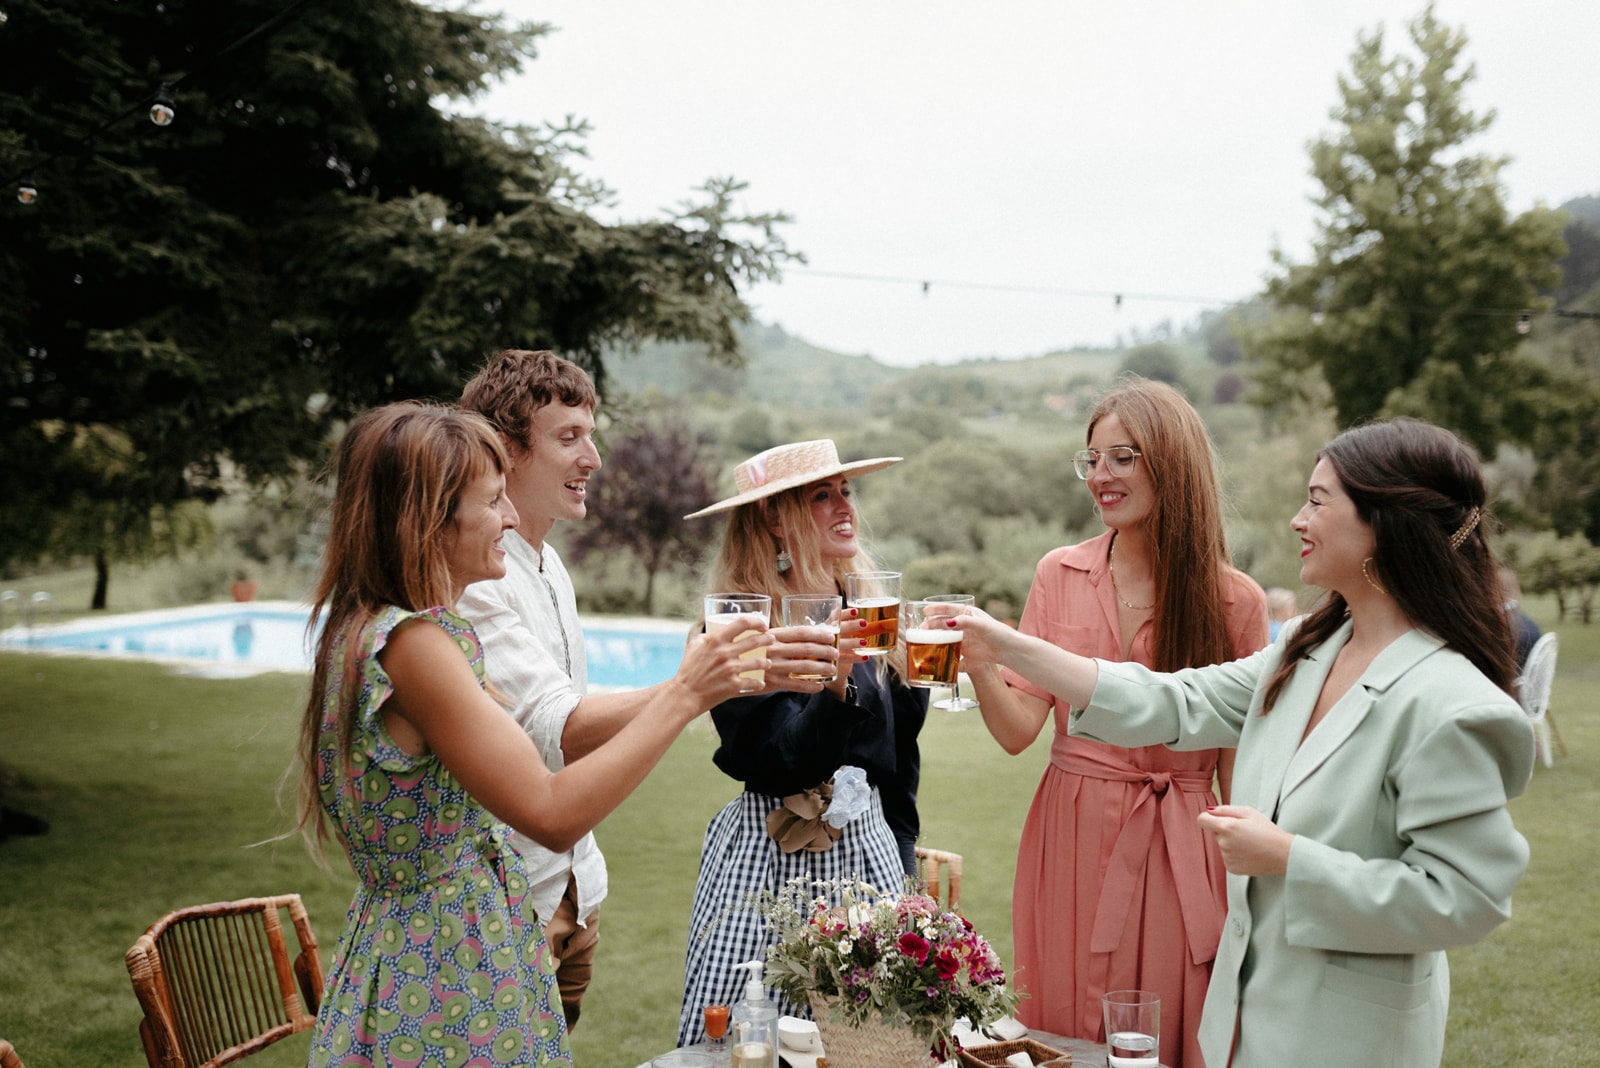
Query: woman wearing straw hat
[{"x": 792, "y": 528}]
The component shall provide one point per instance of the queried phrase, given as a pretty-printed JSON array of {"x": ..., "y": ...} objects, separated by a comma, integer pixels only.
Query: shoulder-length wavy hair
[
  {"x": 1419, "y": 488},
  {"x": 747, "y": 562},
  {"x": 514, "y": 384},
  {"x": 400, "y": 471},
  {"x": 1190, "y": 550}
]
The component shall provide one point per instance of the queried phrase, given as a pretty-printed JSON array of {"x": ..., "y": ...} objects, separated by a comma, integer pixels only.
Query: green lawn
[{"x": 157, "y": 787}]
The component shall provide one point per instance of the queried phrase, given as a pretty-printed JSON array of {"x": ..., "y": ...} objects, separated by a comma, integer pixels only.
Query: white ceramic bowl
[{"x": 798, "y": 1035}]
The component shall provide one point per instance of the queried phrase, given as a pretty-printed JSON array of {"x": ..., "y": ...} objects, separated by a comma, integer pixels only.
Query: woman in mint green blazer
[{"x": 1378, "y": 743}]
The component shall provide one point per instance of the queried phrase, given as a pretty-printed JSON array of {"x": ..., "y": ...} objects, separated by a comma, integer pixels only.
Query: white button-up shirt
[{"x": 534, "y": 655}]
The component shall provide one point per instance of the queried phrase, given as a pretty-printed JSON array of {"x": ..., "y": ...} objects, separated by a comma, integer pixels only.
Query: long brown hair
[
  {"x": 747, "y": 562},
  {"x": 1418, "y": 487},
  {"x": 1190, "y": 550},
  {"x": 400, "y": 472}
]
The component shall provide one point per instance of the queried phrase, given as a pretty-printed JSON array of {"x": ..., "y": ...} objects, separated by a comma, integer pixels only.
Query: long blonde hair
[
  {"x": 400, "y": 472},
  {"x": 1189, "y": 549},
  {"x": 748, "y": 563}
]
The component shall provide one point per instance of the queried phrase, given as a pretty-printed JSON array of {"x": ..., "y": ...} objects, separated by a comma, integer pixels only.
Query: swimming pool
[{"x": 246, "y": 639}]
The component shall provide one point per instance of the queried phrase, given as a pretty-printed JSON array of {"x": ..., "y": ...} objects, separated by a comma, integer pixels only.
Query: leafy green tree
[
  {"x": 1155, "y": 360},
  {"x": 1567, "y": 567},
  {"x": 1419, "y": 272},
  {"x": 653, "y": 476},
  {"x": 316, "y": 232}
]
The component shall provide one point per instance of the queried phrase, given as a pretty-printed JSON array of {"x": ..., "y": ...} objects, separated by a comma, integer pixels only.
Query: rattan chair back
[
  {"x": 941, "y": 871},
  {"x": 217, "y": 984},
  {"x": 8, "y": 1055}
]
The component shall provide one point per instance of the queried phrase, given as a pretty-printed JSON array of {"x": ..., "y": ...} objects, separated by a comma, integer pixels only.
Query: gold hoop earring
[{"x": 1366, "y": 574}]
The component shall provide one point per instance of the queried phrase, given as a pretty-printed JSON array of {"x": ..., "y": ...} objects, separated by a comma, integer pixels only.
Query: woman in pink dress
[{"x": 1116, "y": 887}]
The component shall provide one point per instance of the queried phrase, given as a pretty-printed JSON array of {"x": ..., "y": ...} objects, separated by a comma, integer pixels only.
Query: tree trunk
[
  {"x": 650, "y": 589},
  {"x": 102, "y": 579}
]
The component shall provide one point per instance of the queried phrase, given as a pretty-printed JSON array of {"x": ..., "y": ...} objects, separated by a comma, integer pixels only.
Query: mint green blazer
[{"x": 1403, "y": 846}]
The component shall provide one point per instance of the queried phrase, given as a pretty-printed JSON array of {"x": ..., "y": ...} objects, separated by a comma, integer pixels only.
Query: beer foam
[{"x": 928, "y": 636}]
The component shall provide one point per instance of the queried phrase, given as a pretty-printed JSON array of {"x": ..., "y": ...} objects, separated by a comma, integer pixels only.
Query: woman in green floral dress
[{"x": 418, "y": 771}]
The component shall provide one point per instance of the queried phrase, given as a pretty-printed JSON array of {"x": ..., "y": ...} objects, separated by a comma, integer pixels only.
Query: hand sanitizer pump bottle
[{"x": 753, "y": 1024}]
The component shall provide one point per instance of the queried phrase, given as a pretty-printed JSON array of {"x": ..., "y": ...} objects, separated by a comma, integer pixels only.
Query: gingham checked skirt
[{"x": 738, "y": 860}]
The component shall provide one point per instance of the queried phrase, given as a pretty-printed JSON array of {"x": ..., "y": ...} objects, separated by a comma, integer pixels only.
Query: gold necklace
[{"x": 1111, "y": 564}]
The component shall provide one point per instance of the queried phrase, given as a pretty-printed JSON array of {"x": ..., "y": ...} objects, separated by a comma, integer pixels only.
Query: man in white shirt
[{"x": 544, "y": 408}]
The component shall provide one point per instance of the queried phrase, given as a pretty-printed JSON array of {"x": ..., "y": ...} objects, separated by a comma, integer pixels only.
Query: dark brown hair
[
  {"x": 516, "y": 383},
  {"x": 1418, "y": 486}
]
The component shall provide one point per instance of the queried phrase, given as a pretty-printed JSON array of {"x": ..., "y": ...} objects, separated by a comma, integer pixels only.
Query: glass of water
[{"x": 1133, "y": 1028}]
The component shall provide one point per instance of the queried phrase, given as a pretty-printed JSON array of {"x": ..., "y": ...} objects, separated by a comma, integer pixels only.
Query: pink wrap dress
[{"x": 1116, "y": 885}]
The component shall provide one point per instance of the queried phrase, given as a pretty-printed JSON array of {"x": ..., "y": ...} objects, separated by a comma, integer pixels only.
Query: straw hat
[{"x": 787, "y": 466}]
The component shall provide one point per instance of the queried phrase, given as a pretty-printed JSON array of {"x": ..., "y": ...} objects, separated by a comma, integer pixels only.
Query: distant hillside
[
  {"x": 781, "y": 370},
  {"x": 786, "y": 372}
]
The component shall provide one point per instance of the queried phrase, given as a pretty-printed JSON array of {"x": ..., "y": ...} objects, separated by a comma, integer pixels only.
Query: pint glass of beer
[
  {"x": 876, "y": 595},
  {"x": 933, "y": 650},
  {"x": 735, "y": 609},
  {"x": 814, "y": 610},
  {"x": 955, "y": 702}
]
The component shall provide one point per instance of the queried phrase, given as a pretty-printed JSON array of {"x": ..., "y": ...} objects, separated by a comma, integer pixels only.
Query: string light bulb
[
  {"x": 163, "y": 111},
  {"x": 1524, "y": 324},
  {"x": 27, "y": 192}
]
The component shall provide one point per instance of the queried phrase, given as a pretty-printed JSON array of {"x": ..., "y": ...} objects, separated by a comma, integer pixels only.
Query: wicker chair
[
  {"x": 930, "y": 864},
  {"x": 216, "y": 983},
  {"x": 8, "y": 1055},
  {"x": 1533, "y": 689}
]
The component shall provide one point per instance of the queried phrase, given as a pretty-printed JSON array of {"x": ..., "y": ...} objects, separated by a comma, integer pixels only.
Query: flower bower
[{"x": 887, "y": 975}]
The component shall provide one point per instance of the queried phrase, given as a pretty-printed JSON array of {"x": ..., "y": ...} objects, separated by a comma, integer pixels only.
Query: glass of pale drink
[
  {"x": 814, "y": 610},
  {"x": 933, "y": 649},
  {"x": 1133, "y": 1028},
  {"x": 876, "y": 595},
  {"x": 737, "y": 609}
]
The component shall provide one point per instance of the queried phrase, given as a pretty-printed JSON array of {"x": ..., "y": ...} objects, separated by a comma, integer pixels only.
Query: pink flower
[{"x": 946, "y": 964}]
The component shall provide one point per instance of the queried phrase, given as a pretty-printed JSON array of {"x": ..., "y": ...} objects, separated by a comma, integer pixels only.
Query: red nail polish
[{"x": 1210, "y": 807}]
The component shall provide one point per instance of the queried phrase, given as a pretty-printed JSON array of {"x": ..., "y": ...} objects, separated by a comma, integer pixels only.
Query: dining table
[{"x": 1085, "y": 1052}]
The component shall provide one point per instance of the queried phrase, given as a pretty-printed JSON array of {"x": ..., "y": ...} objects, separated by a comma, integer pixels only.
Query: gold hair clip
[{"x": 1467, "y": 528}]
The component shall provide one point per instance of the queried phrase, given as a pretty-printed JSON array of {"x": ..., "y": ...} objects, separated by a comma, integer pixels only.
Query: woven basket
[
  {"x": 870, "y": 1045},
  {"x": 997, "y": 1052}
]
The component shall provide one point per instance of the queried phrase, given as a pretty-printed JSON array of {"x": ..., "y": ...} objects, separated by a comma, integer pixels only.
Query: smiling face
[
  {"x": 549, "y": 480},
  {"x": 831, "y": 505},
  {"x": 1334, "y": 539},
  {"x": 472, "y": 546},
  {"x": 1124, "y": 500}
]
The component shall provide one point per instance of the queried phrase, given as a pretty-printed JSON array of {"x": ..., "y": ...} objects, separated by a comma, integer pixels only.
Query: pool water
[{"x": 246, "y": 639}]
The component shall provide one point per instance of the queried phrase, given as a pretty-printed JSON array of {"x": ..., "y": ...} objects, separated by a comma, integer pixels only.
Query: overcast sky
[{"x": 1026, "y": 158}]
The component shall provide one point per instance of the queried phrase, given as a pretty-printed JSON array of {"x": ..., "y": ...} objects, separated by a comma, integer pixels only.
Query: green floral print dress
[{"x": 442, "y": 962}]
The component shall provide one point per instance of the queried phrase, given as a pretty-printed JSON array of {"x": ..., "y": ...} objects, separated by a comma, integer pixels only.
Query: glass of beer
[
  {"x": 814, "y": 610},
  {"x": 933, "y": 650},
  {"x": 955, "y": 702},
  {"x": 735, "y": 609},
  {"x": 876, "y": 595}
]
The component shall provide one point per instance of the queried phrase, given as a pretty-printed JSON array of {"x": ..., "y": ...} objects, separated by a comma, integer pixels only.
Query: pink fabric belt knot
[{"x": 1186, "y": 852}]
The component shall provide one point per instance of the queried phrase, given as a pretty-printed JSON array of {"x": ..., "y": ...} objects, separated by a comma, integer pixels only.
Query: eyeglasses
[{"x": 1119, "y": 460}]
